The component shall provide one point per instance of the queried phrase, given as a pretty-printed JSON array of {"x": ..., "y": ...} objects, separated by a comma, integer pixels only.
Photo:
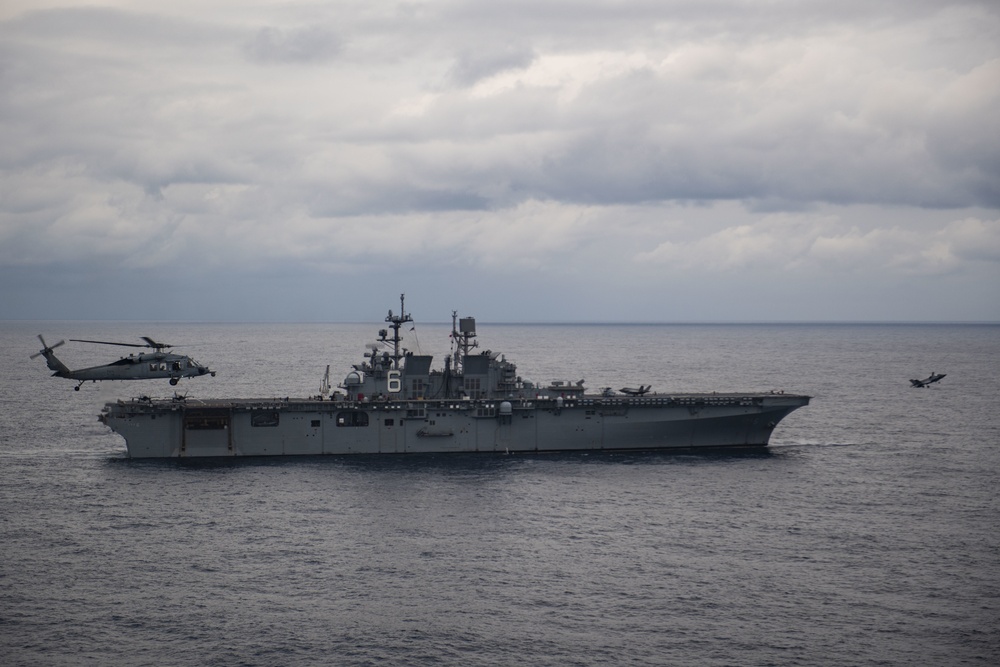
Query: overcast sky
[{"x": 584, "y": 160}]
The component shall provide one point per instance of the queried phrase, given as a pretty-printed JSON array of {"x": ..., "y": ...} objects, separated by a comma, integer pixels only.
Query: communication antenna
[
  {"x": 395, "y": 322},
  {"x": 463, "y": 334}
]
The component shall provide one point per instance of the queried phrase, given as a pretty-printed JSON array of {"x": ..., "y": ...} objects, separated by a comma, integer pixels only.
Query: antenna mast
[
  {"x": 462, "y": 337},
  {"x": 396, "y": 321}
]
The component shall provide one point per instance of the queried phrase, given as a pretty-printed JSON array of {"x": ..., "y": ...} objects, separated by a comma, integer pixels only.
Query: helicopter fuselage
[
  {"x": 140, "y": 367},
  {"x": 143, "y": 366}
]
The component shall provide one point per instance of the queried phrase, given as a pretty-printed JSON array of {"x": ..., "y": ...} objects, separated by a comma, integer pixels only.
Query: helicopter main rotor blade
[
  {"x": 106, "y": 342},
  {"x": 154, "y": 344}
]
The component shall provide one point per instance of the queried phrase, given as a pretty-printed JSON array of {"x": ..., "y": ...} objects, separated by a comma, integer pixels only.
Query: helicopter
[{"x": 142, "y": 366}]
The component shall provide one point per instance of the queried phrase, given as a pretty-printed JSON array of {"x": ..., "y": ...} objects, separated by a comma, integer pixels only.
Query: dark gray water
[{"x": 868, "y": 534}]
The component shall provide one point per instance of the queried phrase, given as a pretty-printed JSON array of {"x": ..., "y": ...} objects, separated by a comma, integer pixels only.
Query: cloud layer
[{"x": 564, "y": 151}]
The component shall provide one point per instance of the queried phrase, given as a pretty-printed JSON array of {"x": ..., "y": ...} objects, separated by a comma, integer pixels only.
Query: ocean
[{"x": 867, "y": 534}]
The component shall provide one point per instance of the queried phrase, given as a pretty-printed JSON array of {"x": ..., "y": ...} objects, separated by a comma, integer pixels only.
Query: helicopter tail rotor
[
  {"x": 46, "y": 350},
  {"x": 50, "y": 359}
]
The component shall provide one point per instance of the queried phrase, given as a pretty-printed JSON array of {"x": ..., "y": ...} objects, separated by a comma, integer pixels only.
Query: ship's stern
[{"x": 148, "y": 433}]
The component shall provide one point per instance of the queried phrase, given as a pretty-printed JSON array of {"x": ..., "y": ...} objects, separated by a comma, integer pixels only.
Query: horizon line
[{"x": 533, "y": 322}]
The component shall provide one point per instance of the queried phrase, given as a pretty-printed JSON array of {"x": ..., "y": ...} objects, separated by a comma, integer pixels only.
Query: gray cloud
[
  {"x": 524, "y": 142},
  {"x": 300, "y": 45},
  {"x": 476, "y": 64}
]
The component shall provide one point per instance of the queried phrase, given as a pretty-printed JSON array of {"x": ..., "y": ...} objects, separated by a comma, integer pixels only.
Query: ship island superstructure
[{"x": 393, "y": 402}]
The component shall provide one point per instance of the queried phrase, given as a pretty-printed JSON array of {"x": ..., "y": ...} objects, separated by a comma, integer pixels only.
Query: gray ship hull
[{"x": 287, "y": 427}]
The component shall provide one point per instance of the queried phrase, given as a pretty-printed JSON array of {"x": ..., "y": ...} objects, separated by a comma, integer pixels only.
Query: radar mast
[
  {"x": 462, "y": 337},
  {"x": 396, "y": 321}
]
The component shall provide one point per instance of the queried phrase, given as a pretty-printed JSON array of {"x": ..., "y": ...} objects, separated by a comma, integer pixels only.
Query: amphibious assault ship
[{"x": 394, "y": 403}]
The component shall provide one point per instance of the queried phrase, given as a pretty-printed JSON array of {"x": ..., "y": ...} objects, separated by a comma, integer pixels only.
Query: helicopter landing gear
[{"x": 173, "y": 381}]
